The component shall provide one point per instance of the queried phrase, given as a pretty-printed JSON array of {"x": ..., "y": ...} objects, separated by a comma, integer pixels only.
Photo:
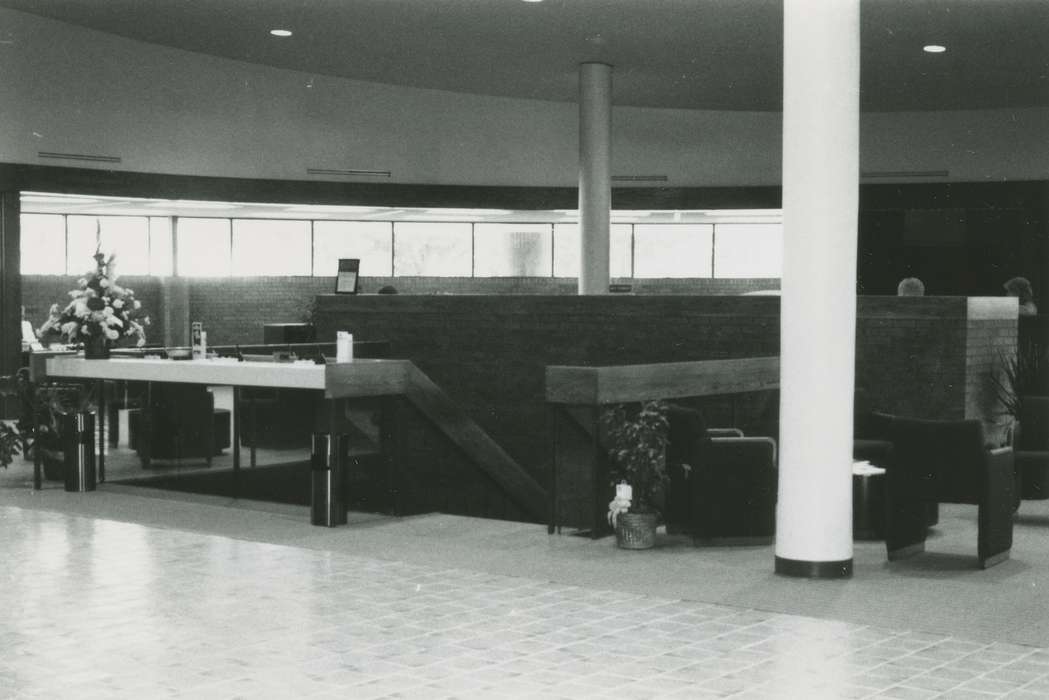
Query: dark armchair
[
  {"x": 1032, "y": 447},
  {"x": 182, "y": 423},
  {"x": 722, "y": 485},
  {"x": 947, "y": 462}
]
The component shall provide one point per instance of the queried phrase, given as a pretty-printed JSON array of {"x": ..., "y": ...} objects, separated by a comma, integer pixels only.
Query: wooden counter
[{"x": 343, "y": 380}]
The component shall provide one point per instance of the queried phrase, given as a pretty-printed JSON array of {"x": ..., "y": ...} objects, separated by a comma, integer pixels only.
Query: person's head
[
  {"x": 1019, "y": 287},
  {"x": 910, "y": 287}
]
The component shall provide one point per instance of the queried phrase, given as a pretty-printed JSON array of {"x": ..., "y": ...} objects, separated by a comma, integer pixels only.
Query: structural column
[
  {"x": 10, "y": 284},
  {"x": 818, "y": 317},
  {"x": 595, "y": 175}
]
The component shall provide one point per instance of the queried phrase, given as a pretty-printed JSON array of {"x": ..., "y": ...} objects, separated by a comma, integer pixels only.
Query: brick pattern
[
  {"x": 989, "y": 345},
  {"x": 910, "y": 355},
  {"x": 39, "y": 292},
  {"x": 234, "y": 310}
]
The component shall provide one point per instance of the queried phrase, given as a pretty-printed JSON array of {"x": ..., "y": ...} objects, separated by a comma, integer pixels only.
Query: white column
[
  {"x": 595, "y": 175},
  {"x": 821, "y": 72}
]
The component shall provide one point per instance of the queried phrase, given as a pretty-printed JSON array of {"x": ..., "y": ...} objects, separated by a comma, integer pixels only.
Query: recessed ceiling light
[
  {"x": 934, "y": 48},
  {"x": 532, "y": 0},
  {"x": 280, "y": 32}
]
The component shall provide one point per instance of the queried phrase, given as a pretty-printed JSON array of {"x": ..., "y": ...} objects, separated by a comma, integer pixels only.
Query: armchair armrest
[
  {"x": 1000, "y": 500},
  {"x": 746, "y": 446}
]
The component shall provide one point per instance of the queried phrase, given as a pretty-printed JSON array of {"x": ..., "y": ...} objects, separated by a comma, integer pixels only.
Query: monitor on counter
[{"x": 346, "y": 279}]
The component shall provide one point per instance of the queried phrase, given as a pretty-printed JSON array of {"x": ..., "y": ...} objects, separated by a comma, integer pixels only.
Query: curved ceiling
[{"x": 694, "y": 54}]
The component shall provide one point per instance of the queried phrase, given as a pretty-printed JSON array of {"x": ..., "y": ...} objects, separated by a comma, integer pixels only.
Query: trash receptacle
[
  {"x": 328, "y": 463},
  {"x": 78, "y": 434}
]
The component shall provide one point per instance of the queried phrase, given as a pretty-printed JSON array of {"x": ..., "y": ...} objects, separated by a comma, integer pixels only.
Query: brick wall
[
  {"x": 488, "y": 352},
  {"x": 39, "y": 292},
  {"x": 234, "y": 310},
  {"x": 990, "y": 342},
  {"x": 910, "y": 354}
]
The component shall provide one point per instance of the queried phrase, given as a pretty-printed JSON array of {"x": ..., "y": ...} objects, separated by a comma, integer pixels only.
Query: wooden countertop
[
  {"x": 358, "y": 378},
  {"x": 664, "y": 380}
]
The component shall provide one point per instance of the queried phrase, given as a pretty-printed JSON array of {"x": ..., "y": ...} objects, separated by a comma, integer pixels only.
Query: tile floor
[{"x": 94, "y": 608}]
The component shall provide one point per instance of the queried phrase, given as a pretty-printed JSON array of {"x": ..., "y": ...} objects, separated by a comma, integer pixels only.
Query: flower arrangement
[
  {"x": 100, "y": 309},
  {"x": 635, "y": 436}
]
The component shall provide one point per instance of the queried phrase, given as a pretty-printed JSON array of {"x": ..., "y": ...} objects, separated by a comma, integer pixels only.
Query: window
[
  {"x": 43, "y": 244},
  {"x": 126, "y": 237},
  {"x": 203, "y": 247},
  {"x": 566, "y": 250},
  {"x": 748, "y": 250},
  {"x": 161, "y": 261},
  {"x": 432, "y": 249},
  {"x": 673, "y": 250},
  {"x": 369, "y": 241},
  {"x": 512, "y": 250},
  {"x": 271, "y": 247}
]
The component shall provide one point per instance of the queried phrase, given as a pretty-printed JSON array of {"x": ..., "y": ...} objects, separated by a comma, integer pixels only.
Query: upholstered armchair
[
  {"x": 722, "y": 485},
  {"x": 1032, "y": 447},
  {"x": 937, "y": 461},
  {"x": 182, "y": 423}
]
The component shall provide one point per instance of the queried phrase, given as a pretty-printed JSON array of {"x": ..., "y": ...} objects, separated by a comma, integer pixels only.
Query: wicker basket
[{"x": 636, "y": 530}]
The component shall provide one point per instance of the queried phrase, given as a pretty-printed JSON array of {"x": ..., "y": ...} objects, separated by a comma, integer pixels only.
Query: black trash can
[
  {"x": 78, "y": 435},
  {"x": 328, "y": 480}
]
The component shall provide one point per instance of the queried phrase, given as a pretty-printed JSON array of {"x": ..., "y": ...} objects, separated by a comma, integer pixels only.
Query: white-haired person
[
  {"x": 910, "y": 287},
  {"x": 1020, "y": 287}
]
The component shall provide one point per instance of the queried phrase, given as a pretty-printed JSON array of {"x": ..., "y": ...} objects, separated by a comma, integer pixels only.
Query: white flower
[
  {"x": 114, "y": 321},
  {"x": 80, "y": 309},
  {"x": 82, "y": 283},
  {"x": 138, "y": 304},
  {"x": 112, "y": 334},
  {"x": 615, "y": 507},
  {"x": 103, "y": 283},
  {"x": 118, "y": 303},
  {"x": 69, "y": 328}
]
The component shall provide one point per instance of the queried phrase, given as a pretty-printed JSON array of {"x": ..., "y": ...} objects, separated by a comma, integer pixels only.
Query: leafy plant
[
  {"x": 635, "y": 437},
  {"x": 10, "y": 444},
  {"x": 1024, "y": 374}
]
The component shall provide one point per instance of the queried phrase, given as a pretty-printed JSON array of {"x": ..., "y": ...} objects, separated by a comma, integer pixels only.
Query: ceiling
[{"x": 694, "y": 54}]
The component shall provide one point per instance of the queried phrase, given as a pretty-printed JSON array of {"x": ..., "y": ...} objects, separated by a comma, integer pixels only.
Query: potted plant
[
  {"x": 635, "y": 437},
  {"x": 1022, "y": 375},
  {"x": 43, "y": 410},
  {"x": 10, "y": 444}
]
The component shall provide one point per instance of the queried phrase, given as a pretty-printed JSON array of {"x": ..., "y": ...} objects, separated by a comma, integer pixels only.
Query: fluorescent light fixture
[
  {"x": 737, "y": 212},
  {"x": 467, "y": 212},
  {"x": 934, "y": 48},
  {"x": 56, "y": 199},
  {"x": 280, "y": 32},
  {"x": 329, "y": 209},
  {"x": 193, "y": 204}
]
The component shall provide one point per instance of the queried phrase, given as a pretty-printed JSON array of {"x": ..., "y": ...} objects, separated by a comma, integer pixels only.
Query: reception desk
[
  {"x": 423, "y": 432},
  {"x": 361, "y": 378}
]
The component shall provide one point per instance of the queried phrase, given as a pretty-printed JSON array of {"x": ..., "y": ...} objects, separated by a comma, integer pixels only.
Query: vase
[
  {"x": 96, "y": 347},
  {"x": 636, "y": 530}
]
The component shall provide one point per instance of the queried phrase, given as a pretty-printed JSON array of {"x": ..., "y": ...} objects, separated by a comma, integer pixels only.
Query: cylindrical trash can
[
  {"x": 78, "y": 435},
  {"x": 328, "y": 479}
]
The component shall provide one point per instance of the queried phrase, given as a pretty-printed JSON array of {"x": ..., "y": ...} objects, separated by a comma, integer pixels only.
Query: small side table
[{"x": 868, "y": 501}]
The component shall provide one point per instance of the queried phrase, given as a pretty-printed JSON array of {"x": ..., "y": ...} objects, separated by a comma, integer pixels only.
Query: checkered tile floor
[{"x": 94, "y": 608}]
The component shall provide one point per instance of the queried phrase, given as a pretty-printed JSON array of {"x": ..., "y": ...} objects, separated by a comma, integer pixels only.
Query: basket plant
[{"x": 635, "y": 437}]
